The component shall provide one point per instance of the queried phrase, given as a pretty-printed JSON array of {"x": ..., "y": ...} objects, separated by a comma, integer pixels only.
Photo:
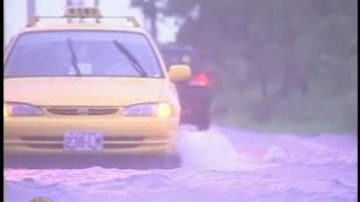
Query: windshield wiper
[
  {"x": 133, "y": 61},
  {"x": 74, "y": 60}
]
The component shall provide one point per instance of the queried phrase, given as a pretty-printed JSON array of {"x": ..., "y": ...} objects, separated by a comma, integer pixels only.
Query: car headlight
[
  {"x": 161, "y": 110},
  {"x": 18, "y": 109}
]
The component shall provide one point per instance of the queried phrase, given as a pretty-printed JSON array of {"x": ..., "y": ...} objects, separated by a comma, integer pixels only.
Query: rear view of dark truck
[{"x": 195, "y": 93}]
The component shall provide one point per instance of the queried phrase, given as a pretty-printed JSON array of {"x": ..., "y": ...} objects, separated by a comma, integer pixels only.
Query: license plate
[{"x": 83, "y": 141}]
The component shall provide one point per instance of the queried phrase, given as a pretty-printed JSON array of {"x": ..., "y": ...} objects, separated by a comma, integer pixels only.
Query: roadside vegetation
[{"x": 282, "y": 65}]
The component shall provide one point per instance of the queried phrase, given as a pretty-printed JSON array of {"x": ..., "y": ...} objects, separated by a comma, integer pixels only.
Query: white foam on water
[
  {"x": 276, "y": 154},
  {"x": 211, "y": 150}
]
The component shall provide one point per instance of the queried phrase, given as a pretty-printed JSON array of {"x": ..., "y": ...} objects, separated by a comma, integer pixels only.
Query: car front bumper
[{"x": 121, "y": 135}]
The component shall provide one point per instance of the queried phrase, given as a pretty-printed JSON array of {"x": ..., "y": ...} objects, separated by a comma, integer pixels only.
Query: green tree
[
  {"x": 150, "y": 11},
  {"x": 286, "y": 46}
]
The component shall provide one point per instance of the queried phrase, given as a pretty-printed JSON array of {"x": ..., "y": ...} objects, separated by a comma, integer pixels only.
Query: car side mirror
[{"x": 179, "y": 72}]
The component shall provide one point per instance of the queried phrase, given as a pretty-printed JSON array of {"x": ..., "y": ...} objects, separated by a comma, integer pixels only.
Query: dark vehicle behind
[{"x": 195, "y": 93}]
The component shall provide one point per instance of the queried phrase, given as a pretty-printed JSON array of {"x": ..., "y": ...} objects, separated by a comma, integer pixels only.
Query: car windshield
[{"x": 82, "y": 53}]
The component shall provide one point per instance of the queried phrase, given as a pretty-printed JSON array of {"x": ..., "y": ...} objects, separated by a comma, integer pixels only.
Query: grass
[
  {"x": 281, "y": 126},
  {"x": 320, "y": 111}
]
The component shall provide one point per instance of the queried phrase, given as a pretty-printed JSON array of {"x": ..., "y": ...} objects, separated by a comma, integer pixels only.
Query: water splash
[{"x": 211, "y": 150}]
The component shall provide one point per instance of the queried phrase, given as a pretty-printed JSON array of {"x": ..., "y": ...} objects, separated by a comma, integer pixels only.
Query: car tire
[
  {"x": 203, "y": 120},
  {"x": 203, "y": 125},
  {"x": 171, "y": 162}
]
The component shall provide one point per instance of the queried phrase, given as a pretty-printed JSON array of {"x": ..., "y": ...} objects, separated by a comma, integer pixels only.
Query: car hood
[{"x": 82, "y": 91}]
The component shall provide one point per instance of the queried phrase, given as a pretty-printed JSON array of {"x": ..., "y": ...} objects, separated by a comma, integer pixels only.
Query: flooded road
[{"x": 221, "y": 164}]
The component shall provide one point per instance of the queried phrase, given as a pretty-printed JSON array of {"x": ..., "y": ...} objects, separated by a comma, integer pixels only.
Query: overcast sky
[{"x": 15, "y": 14}]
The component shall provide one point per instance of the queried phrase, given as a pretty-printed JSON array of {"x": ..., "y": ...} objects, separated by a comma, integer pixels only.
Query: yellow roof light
[
  {"x": 82, "y": 12},
  {"x": 84, "y": 15}
]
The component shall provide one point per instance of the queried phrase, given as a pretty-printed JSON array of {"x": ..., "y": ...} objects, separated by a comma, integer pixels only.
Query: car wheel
[
  {"x": 203, "y": 125},
  {"x": 171, "y": 162},
  {"x": 203, "y": 120}
]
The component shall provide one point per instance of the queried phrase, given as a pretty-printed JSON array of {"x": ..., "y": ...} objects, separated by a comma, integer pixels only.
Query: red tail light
[{"x": 200, "y": 80}]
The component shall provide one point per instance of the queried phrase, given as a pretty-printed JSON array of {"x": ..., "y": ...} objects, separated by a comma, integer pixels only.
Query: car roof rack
[{"x": 81, "y": 13}]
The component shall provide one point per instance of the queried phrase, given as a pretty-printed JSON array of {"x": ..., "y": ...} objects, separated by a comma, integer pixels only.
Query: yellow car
[{"x": 87, "y": 87}]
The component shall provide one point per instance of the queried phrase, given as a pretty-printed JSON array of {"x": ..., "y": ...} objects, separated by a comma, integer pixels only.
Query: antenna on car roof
[{"x": 30, "y": 9}]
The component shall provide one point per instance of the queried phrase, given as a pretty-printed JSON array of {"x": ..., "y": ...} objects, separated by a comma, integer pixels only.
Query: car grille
[
  {"x": 60, "y": 138},
  {"x": 82, "y": 111},
  {"x": 60, "y": 146},
  {"x": 55, "y": 142}
]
